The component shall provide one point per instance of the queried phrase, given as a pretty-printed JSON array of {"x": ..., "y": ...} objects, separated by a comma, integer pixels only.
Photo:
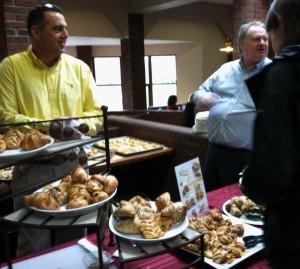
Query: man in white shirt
[{"x": 231, "y": 108}]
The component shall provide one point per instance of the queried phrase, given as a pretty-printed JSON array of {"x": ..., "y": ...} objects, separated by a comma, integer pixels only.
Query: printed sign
[{"x": 191, "y": 187}]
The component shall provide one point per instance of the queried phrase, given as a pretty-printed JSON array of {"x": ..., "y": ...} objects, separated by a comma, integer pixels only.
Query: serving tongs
[
  {"x": 255, "y": 216},
  {"x": 251, "y": 241}
]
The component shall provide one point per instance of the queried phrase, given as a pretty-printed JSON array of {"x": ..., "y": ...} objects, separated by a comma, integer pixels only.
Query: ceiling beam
[{"x": 149, "y": 6}]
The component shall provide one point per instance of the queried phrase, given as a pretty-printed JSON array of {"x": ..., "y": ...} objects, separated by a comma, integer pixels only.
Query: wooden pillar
[
  {"x": 85, "y": 53},
  {"x": 245, "y": 11},
  {"x": 132, "y": 64}
]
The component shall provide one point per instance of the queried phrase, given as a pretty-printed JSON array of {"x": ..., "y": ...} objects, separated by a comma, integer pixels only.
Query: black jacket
[{"x": 272, "y": 177}]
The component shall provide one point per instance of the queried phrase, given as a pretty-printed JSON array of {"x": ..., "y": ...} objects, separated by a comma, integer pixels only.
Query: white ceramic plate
[
  {"x": 16, "y": 154},
  {"x": 248, "y": 230},
  {"x": 64, "y": 212},
  {"x": 174, "y": 231},
  {"x": 242, "y": 218}
]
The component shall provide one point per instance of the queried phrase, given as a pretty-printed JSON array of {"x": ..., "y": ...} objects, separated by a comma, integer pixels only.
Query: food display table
[{"x": 168, "y": 260}]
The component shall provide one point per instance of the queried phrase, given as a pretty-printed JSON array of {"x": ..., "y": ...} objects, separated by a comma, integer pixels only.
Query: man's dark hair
[
  {"x": 172, "y": 100},
  {"x": 36, "y": 15}
]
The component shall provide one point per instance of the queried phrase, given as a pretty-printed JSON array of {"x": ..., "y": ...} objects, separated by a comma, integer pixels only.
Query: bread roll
[
  {"x": 110, "y": 184},
  {"x": 77, "y": 202},
  {"x": 98, "y": 196}
]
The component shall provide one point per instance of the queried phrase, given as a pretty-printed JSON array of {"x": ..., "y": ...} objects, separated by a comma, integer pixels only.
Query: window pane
[
  {"x": 110, "y": 96},
  {"x": 163, "y": 69},
  {"x": 147, "y": 96},
  {"x": 161, "y": 94},
  {"x": 147, "y": 69},
  {"x": 107, "y": 70}
]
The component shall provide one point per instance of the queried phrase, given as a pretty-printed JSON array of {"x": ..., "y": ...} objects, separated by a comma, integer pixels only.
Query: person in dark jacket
[{"x": 272, "y": 177}]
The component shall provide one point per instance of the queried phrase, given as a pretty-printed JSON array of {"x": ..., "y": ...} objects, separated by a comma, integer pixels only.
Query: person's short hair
[
  {"x": 172, "y": 100},
  {"x": 288, "y": 13},
  {"x": 244, "y": 30},
  {"x": 36, "y": 15}
]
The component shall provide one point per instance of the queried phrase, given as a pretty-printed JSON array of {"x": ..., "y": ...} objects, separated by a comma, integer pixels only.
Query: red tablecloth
[
  {"x": 166, "y": 261},
  {"x": 216, "y": 199}
]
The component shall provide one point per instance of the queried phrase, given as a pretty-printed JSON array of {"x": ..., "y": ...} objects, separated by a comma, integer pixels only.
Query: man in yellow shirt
[{"x": 43, "y": 83}]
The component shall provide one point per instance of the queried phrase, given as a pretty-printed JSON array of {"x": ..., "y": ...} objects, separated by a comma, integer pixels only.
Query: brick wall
[
  {"x": 15, "y": 14},
  {"x": 245, "y": 11}
]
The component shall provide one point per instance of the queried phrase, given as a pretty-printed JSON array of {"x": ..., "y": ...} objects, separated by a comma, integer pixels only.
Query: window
[
  {"x": 108, "y": 81},
  {"x": 160, "y": 75},
  {"x": 160, "y": 79}
]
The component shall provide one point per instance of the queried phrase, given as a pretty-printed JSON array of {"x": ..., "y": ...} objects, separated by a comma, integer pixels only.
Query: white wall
[{"x": 196, "y": 30}]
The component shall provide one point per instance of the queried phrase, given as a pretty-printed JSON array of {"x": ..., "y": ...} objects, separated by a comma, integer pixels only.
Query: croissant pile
[
  {"x": 239, "y": 205},
  {"x": 220, "y": 238},
  {"x": 137, "y": 216},
  {"x": 75, "y": 191},
  {"x": 14, "y": 139}
]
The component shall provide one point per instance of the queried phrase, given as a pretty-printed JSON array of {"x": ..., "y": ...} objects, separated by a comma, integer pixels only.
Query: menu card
[{"x": 191, "y": 187}]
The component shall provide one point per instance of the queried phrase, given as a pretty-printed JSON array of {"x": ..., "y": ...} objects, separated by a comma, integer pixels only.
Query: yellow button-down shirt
[{"x": 32, "y": 91}]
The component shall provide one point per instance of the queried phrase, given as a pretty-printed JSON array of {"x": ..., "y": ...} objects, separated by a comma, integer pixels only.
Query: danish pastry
[
  {"x": 127, "y": 226},
  {"x": 163, "y": 201},
  {"x": 125, "y": 210}
]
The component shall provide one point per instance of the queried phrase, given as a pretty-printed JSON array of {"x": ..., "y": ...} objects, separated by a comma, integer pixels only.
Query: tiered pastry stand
[
  {"x": 25, "y": 217},
  {"x": 132, "y": 250}
]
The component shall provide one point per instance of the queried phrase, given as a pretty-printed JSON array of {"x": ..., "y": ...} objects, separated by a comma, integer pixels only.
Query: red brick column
[
  {"x": 245, "y": 11},
  {"x": 15, "y": 15}
]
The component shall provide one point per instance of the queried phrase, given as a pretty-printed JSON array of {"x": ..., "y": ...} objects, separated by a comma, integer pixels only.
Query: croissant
[
  {"x": 13, "y": 138},
  {"x": 79, "y": 175},
  {"x": 12, "y": 142},
  {"x": 42, "y": 200},
  {"x": 127, "y": 226},
  {"x": 34, "y": 139},
  {"x": 110, "y": 184},
  {"x": 2, "y": 145}
]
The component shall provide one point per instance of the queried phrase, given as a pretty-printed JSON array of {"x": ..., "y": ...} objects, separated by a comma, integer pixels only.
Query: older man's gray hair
[{"x": 245, "y": 28}]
